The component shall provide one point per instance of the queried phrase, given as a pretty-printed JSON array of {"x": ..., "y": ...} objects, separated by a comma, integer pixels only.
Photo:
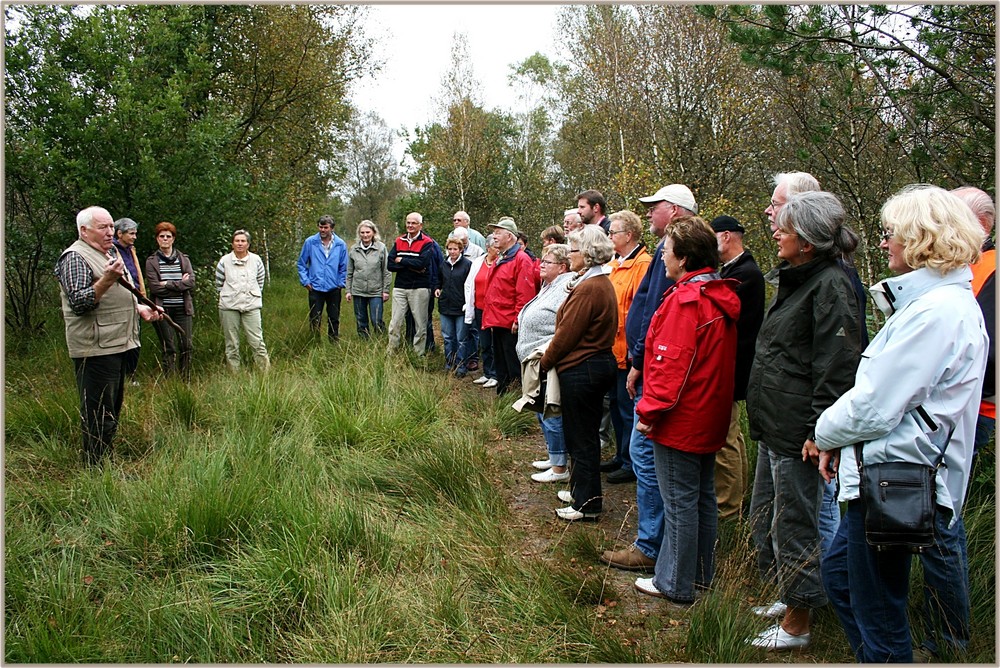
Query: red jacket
[
  {"x": 513, "y": 283},
  {"x": 689, "y": 367}
]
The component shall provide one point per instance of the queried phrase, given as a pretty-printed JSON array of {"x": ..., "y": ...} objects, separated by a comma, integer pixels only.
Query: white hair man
[
  {"x": 571, "y": 221},
  {"x": 410, "y": 258},
  {"x": 461, "y": 220},
  {"x": 102, "y": 326}
]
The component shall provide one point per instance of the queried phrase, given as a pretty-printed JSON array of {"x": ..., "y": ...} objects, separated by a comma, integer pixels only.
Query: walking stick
[{"x": 148, "y": 302}]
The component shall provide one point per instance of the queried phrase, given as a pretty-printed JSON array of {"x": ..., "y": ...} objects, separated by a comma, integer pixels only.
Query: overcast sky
[{"x": 415, "y": 43}]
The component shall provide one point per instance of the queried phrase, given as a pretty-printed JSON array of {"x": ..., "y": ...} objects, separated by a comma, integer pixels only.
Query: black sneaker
[
  {"x": 621, "y": 476},
  {"x": 610, "y": 465}
]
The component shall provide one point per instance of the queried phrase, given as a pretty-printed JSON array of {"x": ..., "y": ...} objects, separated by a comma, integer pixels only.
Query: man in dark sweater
[
  {"x": 731, "y": 466},
  {"x": 410, "y": 257}
]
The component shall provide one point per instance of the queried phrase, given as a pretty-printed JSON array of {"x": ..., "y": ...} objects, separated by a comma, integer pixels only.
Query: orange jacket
[{"x": 626, "y": 278}]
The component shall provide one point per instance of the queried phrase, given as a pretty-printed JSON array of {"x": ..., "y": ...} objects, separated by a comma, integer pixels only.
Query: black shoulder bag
[{"x": 900, "y": 499}]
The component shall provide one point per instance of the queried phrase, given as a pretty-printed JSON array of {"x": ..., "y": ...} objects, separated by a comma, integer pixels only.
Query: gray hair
[
  {"x": 126, "y": 225},
  {"x": 243, "y": 232},
  {"x": 463, "y": 215},
  {"x": 980, "y": 203},
  {"x": 796, "y": 182},
  {"x": 559, "y": 251},
  {"x": 818, "y": 218},
  {"x": 371, "y": 226},
  {"x": 593, "y": 243}
]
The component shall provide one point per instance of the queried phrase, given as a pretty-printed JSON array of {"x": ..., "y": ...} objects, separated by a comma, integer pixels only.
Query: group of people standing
[{"x": 667, "y": 345}]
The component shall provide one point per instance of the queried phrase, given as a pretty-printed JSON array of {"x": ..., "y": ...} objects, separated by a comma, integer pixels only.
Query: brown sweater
[{"x": 586, "y": 324}]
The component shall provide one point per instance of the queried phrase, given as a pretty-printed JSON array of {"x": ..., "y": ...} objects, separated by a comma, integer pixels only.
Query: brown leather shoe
[{"x": 629, "y": 559}]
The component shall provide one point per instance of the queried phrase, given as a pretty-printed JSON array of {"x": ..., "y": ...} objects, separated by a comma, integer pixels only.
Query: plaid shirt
[{"x": 77, "y": 281}]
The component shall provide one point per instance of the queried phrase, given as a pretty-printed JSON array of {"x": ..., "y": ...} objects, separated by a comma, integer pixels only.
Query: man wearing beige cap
[
  {"x": 668, "y": 204},
  {"x": 513, "y": 284}
]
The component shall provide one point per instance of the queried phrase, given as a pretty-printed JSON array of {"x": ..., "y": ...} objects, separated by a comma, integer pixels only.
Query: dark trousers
[
  {"x": 100, "y": 381},
  {"x": 176, "y": 349},
  {"x": 132, "y": 361},
  {"x": 505, "y": 358},
  {"x": 485, "y": 337},
  {"x": 583, "y": 388},
  {"x": 622, "y": 416},
  {"x": 330, "y": 298}
]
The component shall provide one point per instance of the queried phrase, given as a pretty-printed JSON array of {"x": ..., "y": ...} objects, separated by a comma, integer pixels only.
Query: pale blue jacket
[
  {"x": 323, "y": 273},
  {"x": 931, "y": 353}
]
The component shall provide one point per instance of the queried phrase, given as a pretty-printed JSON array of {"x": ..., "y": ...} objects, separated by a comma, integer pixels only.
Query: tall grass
[{"x": 347, "y": 506}]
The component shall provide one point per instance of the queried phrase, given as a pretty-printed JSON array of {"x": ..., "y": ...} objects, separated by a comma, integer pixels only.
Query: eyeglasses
[
  {"x": 886, "y": 235},
  {"x": 546, "y": 262},
  {"x": 614, "y": 232},
  {"x": 574, "y": 250}
]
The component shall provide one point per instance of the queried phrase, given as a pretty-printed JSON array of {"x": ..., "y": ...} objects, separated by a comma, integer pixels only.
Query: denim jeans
[
  {"x": 984, "y": 430},
  {"x": 869, "y": 589},
  {"x": 331, "y": 299},
  {"x": 472, "y": 340},
  {"x": 622, "y": 414},
  {"x": 453, "y": 331},
  {"x": 368, "y": 313},
  {"x": 687, "y": 554},
  {"x": 647, "y": 491},
  {"x": 946, "y": 588},
  {"x": 829, "y": 517},
  {"x": 583, "y": 388},
  {"x": 489, "y": 366},
  {"x": 784, "y": 520},
  {"x": 555, "y": 442}
]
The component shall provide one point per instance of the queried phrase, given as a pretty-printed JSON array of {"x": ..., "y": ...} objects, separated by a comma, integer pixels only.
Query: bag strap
[{"x": 930, "y": 423}]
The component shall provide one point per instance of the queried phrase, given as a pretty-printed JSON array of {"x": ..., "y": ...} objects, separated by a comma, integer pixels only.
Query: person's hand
[
  {"x": 113, "y": 270},
  {"x": 810, "y": 452},
  {"x": 149, "y": 314},
  {"x": 829, "y": 464},
  {"x": 309, "y": 287},
  {"x": 642, "y": 427},
  {"x": 437, "y": 293},
  {"x": 631, "y": 380},
  {"x": 513, "y": 328},
  {"x": 185, "y": 276},
  {"x": 385, "y": 296},
  {"x": 347, "y": 295}
]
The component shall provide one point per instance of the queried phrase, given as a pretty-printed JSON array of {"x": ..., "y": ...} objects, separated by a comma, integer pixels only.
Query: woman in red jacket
[{"x": 689, "y": 373}]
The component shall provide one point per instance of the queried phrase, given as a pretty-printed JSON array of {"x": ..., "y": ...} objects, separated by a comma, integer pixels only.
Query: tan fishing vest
[{"x": 112, "y": 327}]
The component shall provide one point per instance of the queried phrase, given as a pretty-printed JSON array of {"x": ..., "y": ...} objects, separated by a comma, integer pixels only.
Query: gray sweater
[{"x": 536, "y": 323}]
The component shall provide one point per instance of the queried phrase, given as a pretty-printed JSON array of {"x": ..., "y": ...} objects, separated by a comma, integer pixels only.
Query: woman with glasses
[
  {"x": 171, "y": 285},
  {"x": 915, "y": 395},
  {"x": 807, "y": 351},
  {"x": 536, "y": 325},
  {"x": 581, "y": 353}
]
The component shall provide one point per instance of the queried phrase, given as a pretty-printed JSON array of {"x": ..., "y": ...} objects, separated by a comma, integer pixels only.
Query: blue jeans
[
  {"x": 555, "y": 442},
  {"x": 868, "y": 589},
  {"x": 946, "y": 588},
  {"x": 829, "y": 517},
  {"x": 984, "y": 429},
  {"x": 454, "y": 331},
  {"x": 622, "y": 418},
  {"x": 368, "y": 313},
  {"x": 687, "y": 554},
  {"x": 485, "y": 346},
  {"x": 583, "y": 388},
  {"x": 647, "y": 492}
]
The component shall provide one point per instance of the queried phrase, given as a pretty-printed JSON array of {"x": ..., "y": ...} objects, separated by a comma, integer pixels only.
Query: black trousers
[
  {"x": 100, "y": 381},
  {"x": 331, "y": 299},
  {"x": 583, "y": 388},
  {"x": 505, "y": 358},
  {"x": 176, "y": 349}
]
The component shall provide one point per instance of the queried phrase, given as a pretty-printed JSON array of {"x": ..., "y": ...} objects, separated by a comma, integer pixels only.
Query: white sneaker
[
  {"x": 480, "y": 380},
  {"x": 550, "y": 476},
  {"x": 776, "y": 609},
  {"x": 779, "y": 639},
  {"x": 492, "y": 382},
  {"x": 571, "y": 514},
  {"x": 542, "y": 464},
  {"x": 564, "y": 496}
]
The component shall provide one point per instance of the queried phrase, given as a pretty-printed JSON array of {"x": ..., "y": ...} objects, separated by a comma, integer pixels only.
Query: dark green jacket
[{"x": 807, "y": 353}]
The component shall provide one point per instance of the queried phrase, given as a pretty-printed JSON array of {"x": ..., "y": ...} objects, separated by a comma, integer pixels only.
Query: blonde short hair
[
  {"x": 630, "y": 222},
  {"x": 593, "y": 244},
  {"x": 371, "y": 226},
  {"x": 935, "y": 228}
]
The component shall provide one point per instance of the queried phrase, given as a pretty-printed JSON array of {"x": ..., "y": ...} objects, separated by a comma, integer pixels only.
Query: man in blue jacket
[{"x": 323, "y": 272}]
